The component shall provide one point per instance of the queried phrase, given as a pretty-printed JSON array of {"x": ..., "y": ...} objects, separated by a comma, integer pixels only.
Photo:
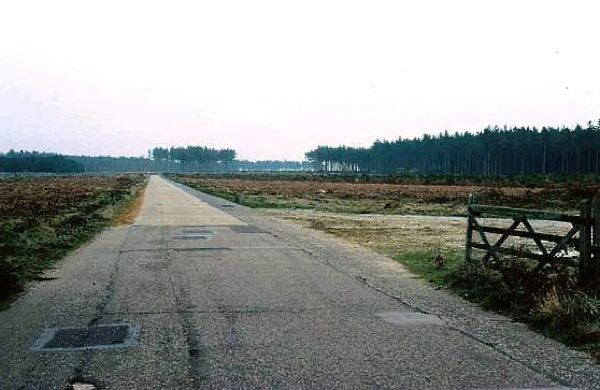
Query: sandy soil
[{"x": 394, "y": 234}]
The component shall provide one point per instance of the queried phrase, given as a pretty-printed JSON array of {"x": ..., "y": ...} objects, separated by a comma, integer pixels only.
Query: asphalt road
[{"x": 214, "y": 295}]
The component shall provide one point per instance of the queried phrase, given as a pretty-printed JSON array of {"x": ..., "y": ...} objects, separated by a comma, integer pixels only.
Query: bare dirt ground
[{"x": 394, "y": 234}]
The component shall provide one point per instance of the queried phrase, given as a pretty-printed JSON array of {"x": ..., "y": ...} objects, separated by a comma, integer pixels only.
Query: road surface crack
[{"x": 197, "y": 367}]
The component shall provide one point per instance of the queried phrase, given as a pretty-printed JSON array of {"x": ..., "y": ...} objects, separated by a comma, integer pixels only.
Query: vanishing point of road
[{"x": 203, "y": 293}]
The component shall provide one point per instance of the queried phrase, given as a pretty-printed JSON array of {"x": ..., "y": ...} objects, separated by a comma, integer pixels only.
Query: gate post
[
  {"x": 469, "y": 240},
  {"x": 595, "y": 266},
  {"x": 585, "y": 244}
]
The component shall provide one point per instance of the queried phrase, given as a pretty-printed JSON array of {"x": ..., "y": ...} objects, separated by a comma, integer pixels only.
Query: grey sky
[{"x": 275, "y": 79}]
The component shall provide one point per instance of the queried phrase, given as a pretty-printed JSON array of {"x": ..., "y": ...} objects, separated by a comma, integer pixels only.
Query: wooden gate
[{"x": 553, "y": 249}]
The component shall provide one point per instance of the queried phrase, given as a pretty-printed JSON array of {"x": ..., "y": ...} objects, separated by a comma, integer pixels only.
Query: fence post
[
  {"x": 585, "y": 243},
  {"x": 469, "y": 240},
  {"x": 595, "y": 266}
]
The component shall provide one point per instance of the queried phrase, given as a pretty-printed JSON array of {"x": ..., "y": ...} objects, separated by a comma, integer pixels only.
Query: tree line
[
  {"x": 109, "y": 164},
  {"x": 174, "y": 159},
  {"x": 195, "y": 158},
  {"x": 204, "y": 159},
  {"x": 492, "y": 152},
  {"x": 23, "y": 161},
  {"x": 272, "y": 166}
]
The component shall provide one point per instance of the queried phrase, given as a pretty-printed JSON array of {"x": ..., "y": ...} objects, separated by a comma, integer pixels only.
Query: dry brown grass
[
  {"x": 128, "y": 216},
  {"x": 42, "y": 219},
  {"x": 384, "y": 198},
  {"x": 354, "y": 191}
]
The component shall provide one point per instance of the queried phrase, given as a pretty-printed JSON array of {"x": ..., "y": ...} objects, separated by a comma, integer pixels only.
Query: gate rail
[{"x": 584, "y": 235}]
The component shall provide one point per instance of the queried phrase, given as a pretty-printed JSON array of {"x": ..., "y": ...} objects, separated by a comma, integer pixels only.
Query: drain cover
[
  {"x": 247, "y": 229},
  {"x": 227, "y": 205},
  {"x": 91, "y": 337}
]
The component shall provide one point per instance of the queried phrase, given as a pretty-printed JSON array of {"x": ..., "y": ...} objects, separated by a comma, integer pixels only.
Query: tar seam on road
[
  {"x": 197, "y": 369},
  {"x": 222, "y": 248},
  {"x": 249, "y": 311},
  {"x": 110, "y": 289},
  {"x": 141, "y": 250},
  {"x": 232, "y": 248}
]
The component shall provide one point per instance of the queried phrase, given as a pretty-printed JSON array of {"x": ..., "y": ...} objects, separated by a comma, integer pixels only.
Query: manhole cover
[
  {"x": 91, "y": 337},
  {"x": 247, "y": 229}
]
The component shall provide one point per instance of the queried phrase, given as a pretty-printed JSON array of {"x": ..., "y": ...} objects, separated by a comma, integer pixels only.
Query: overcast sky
[{"x": 274, "y": 79}]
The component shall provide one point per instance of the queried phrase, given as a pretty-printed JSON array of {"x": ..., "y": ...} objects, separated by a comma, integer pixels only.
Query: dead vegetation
[
  {"x": 42, "y": 219},
  {"x": 384, "y": 198},
  {"x": 130, "y": 212}
]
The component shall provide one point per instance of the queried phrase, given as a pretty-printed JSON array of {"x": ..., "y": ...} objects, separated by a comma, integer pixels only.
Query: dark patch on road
[
  {"x": 44, "y": 278},
  {"x": 198, "y": 235},
  {"x": 247, "y": 229},
  {"x": 141, "y": 250},
  {"x": 90, "y": 337},
  {"x": 196, "y": 231},
  {"x": 197, "y": 355},
  {"x": 198, "y": 368}
]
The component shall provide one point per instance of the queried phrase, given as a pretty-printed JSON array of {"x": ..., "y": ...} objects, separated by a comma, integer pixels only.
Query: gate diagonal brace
[
  {"x": 538, "y": 242},
  {"x": 504, "y": 237}
]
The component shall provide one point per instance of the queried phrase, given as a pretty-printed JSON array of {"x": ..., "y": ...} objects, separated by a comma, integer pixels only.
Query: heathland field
[
  {"x": 328, "y": 193},
  {"x": 42, "y": 219}
]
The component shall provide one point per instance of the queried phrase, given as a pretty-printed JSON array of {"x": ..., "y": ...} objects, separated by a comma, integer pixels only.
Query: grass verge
[
  {"x": 32, "y": 241},
  {"x": 549, "y": 302}
]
